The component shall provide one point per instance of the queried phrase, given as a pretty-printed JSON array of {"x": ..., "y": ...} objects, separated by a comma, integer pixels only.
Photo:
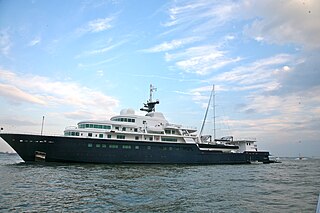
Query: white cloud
[
  {"x": 5, "y": 42},
  {"x": 97, "y": 25},
  {"x": 101, "y": 50},
  {"x": 16, "y": 95},
  {"x": 100, "y": 73},
  {"x": 229, "y": 37},
  {"x": 258, "y": 38},
  {"x": 83, "y": 65},
  {"x": 201, "y": 16},
  {"x": 179, "y": 14},
  {"x": 80, "y": 115},
  {"x": 304, "y": 75},
  {"x": 274, "y": 84},
  {"x": 201, "y": 95},
  {"x": 174, "y": 44},
  {"x": 201, "y": 60},
  {"x": 268, "y": 104},
  {"x": 34, "y": 41},
  {"x": 286, "y": 68},
  {"x": 258, "y": 72},
  {"x": 44, "y": 91},
  {"x": 288, "y": 113},
  {"x": 284, "y": 22}
]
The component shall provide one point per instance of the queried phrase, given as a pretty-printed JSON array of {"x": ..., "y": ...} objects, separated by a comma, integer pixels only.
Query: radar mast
[{"x": 150, "y": 106}]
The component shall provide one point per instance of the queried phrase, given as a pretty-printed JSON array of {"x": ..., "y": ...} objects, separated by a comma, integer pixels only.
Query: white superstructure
[
  {"x": 153, "y": 126},
  {"x": 128, "y": 126}
]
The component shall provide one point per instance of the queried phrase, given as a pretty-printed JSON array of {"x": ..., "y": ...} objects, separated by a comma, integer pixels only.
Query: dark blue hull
[{"x": 87, "y": 150}]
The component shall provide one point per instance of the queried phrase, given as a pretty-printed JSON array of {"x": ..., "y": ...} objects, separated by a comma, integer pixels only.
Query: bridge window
[
  {"x": 120, "y": 137},
  {"x": 169, "y": 139},
  {"x": 131, "y": 120},
  {"x": 96, "y": 126}
]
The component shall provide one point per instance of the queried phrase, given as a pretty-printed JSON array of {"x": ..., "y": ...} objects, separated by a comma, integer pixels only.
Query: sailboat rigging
[{"x": 212, "y": 98}]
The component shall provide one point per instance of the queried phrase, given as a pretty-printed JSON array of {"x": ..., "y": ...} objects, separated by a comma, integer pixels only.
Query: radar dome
[{"x": 127, "y": 112}]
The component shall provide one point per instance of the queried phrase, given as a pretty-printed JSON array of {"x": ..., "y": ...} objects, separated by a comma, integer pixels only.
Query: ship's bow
[{"x": 24, "y": 150}]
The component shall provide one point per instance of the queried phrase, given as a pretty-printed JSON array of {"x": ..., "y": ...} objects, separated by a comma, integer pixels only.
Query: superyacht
[{"x": 130, "y": 138}]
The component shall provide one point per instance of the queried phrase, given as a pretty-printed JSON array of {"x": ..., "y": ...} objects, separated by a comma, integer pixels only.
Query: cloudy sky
[{"x": 74, "y": 60}]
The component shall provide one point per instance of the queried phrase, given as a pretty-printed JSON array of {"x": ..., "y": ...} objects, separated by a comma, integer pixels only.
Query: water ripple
[{"x": 292, "y": 186}]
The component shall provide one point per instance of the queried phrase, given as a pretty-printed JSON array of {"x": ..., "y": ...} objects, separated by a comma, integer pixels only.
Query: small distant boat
[
  {"x": 301, "y": 158},
  {"x": 274, "y": 159}
]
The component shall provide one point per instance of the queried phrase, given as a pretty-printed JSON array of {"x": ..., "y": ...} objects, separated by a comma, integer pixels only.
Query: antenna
[
  {"x": 152, "y": 89},
  {"x": 150, "y": 105},
  {"x": 42, "y": 125}
]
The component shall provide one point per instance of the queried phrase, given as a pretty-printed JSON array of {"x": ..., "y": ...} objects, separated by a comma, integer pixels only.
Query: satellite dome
[{"x": 127, "y": 112}]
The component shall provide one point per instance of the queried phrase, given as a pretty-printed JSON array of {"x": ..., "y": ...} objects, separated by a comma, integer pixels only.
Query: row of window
[
  {"x": 115, "y": 146},
  {"x": 96, "y": 126},
  {"x": 122, "y": 137},
  {"x": 169, "y": 139},
  {"x": 176, "y": 148},
  {"x": 71, "y": 133},
  {"x": 125, "y": 146},
  {"x": 132, "y": 120},
  {"x": 169, "y": 131},
  {"x": 89, "y": 134},
  {"x": 33, "y": 141}
]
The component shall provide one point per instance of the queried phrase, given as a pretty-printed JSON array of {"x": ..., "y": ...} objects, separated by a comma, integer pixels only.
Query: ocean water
[{"x": 291, "y": 186}]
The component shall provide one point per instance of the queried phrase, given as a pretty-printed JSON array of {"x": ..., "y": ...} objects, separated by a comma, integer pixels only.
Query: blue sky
[{"x": 76, "y": 60}]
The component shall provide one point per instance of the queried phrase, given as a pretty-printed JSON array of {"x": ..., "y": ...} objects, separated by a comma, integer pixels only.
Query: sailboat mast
[
  {"x": 214, "y": 113},
  {"x": 205, "y": 116}
]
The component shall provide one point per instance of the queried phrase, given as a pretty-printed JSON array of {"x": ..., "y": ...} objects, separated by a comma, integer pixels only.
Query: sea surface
[{"x": 290, "y": 186}]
